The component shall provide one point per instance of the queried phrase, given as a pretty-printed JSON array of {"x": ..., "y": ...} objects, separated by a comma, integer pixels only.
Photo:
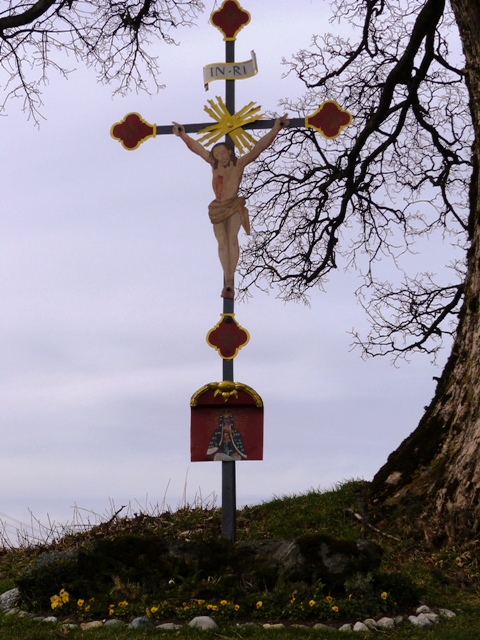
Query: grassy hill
[{"x": 412, "y": 571}]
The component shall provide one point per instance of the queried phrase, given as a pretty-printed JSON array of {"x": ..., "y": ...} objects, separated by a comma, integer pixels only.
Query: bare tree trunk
[{"x": 435, "y": 472}]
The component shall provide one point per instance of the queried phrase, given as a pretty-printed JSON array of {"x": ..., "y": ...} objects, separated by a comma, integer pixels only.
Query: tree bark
[{"x": 435, "y": 472}]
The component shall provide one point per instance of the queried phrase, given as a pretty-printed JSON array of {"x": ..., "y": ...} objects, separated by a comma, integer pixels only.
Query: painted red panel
[{"x": 226, "y": 430}]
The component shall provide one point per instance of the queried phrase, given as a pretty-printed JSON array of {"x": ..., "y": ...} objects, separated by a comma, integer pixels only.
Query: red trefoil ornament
[
  {"x": 132, "y": 131},
  {"x": 329, "y": 119},
  {"x": 227, "y": 336},
  {"x": 230, "y": 18}
]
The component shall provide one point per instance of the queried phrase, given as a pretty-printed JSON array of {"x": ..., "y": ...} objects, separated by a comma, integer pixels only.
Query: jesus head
[{"x": 222, "y": 153}]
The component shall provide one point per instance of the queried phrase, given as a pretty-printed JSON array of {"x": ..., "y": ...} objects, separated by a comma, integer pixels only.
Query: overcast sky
[{"x": 110, "y": 281}]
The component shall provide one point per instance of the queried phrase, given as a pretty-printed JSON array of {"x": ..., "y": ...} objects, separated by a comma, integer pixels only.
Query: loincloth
[{"x": 222, "y": 210}]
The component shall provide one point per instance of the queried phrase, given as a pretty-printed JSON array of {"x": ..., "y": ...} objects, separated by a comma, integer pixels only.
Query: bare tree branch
[
  {"x": 114, "y": 37},
  {"x": 399, "y": 173}
]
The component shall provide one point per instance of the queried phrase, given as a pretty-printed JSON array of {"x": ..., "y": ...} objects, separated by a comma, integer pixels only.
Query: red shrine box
[{"x": 226, "y": 423}]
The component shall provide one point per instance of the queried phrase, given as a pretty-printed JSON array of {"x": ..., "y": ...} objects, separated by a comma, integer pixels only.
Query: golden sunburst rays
[{"x": 230, "y": 124}]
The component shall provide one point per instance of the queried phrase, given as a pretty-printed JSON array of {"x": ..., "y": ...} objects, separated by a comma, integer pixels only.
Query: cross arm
[
  {"x": 329, "y": 120},
  {"x": 165, "y": 129},
  {"x": 133, "y": 129}
]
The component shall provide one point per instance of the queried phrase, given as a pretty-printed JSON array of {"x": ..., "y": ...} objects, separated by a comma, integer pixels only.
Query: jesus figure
[{"x": 228, "y": 211}]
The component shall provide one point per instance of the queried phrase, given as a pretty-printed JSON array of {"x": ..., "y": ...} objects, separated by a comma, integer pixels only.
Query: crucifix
[{"x": 227, "y": 417}]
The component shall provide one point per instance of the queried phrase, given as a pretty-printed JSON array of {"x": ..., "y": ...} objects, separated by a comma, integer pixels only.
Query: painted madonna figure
[{"x": 226, "y": 442}]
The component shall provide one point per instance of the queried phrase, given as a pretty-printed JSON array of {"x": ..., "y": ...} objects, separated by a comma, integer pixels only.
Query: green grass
[
  {"x": 293, "y": 516},
  {"x": 447, "y": 577}
]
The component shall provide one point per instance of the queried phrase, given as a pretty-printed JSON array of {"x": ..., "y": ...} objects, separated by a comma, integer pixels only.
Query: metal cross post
[
  {"x": 229, "y": 482},
  {"x": 329, "y": 120}
]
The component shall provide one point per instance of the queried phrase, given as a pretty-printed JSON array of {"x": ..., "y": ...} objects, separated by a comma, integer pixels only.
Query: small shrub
[
  {"x": 360, "y": 585},
  {"x": 400, "y": 588},
  {"x": 47, "y": 575}
]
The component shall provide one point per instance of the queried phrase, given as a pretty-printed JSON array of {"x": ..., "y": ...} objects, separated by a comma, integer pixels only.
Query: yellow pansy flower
[{"x": 64, "y": 596}]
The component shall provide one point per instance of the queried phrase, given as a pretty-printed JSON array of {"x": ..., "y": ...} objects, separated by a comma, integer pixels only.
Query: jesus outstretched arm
[
  {"x": 193, "y": 145},
  {"x": 265, "y": 141}
]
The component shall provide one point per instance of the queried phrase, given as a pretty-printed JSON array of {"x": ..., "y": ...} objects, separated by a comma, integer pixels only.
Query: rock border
[{"x": 423, "y": 617}]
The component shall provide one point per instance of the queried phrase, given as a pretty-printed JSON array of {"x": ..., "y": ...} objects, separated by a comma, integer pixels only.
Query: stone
[
  {"x": 51, "y": 619},
  {"x": 334, "y": 560},
  {"x": 287, "y": 553},
  {"x": 371, "y": 624},
  {"x": 141, "y": 623},
  {"x": 114, "y": 622},
  {"x": 277, "y": 625},
  {"x": 446, "y": 613},
  {"x": 203, "y": 623},
  {"x": 417, "y": 621},
  {"x": 25, "y": 614},
  {"x": 299, "y": 626},
  {"x": 360, "y": 626},
  {"x": 322, "y": 627},
  {"x": 309, "y": 557},
  {"x": 265, "y": 559},
  {"x": 346, "y": 627},
  {"x": 9, "y": 599},
  {"x": 169, "y": 626},
  {"x": 386, "y": 623},
  {"x": 423, "y": 609},
  {"x": 95, "y": 624},
  {"x": 68, "y": 626},
  {"x": 433, "y": 617}
]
